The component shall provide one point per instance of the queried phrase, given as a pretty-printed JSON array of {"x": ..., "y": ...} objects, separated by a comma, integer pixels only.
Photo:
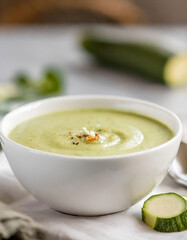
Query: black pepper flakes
[{"x": 73, "y": 142}]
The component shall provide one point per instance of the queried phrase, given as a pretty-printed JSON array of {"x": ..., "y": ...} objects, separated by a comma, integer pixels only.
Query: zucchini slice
[{"x": 165, "y": 212}]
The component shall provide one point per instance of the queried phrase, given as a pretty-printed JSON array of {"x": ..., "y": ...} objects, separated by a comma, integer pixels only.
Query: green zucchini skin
[
  {"x": 185, "y": 197},
  {"x": 166, "y": 224},
  {"x": 175, "y": 224},
  {"x": 184, "y": 215},
  {"x": 183, "y": 218},
  {"x": 142, "y": 59}
]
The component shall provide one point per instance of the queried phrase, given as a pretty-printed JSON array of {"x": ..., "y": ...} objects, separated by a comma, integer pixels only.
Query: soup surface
[{"x": 91, "y": 132}]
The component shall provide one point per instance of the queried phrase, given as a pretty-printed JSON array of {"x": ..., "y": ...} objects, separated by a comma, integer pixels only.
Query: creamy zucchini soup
[{"x": 91, "y": 132}]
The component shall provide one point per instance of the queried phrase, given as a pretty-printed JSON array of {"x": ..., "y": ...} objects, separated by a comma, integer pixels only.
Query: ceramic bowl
[{"x": 89, "y": 185}]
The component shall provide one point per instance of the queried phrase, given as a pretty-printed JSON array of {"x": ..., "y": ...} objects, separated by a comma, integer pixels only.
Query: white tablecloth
[{"x": 119, "y": 226}]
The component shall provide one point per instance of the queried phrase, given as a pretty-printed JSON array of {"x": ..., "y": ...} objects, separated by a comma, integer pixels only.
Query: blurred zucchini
[{"x": 153, "y": 62}]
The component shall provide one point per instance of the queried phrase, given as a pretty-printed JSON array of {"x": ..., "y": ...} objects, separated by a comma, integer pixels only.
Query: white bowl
[{"x": 89, "y": 185}]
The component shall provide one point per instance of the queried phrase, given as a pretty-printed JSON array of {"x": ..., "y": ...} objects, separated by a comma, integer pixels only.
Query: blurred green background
[{"x": 138, "y": 45}]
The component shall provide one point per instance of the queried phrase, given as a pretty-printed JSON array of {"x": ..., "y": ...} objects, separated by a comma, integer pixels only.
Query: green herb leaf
[
  {"x": 25, "y": 89},
  {"x": 22, "y": 80},
  {"x": 51, "y": 83}
]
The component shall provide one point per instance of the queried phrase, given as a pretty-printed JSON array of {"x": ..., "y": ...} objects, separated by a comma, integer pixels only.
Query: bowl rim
[{"x": 178, "y": 134}]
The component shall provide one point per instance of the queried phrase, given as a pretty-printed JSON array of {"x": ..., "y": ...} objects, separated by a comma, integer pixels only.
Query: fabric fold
[{"x": 14, "y": 225}]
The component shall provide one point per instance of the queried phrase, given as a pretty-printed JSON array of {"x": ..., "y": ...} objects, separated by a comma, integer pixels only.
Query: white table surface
[{"x": 32, "y": 48}]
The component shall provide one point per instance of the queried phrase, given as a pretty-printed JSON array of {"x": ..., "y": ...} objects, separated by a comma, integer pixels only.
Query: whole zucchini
[{"x": 153, "y": 62}]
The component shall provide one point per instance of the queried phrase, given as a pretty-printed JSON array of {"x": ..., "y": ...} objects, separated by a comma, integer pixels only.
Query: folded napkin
[{"x": 14, "y": 225}]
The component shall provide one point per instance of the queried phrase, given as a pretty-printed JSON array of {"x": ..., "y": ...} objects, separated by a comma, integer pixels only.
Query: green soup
[{"x": 91, "y": 132}]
